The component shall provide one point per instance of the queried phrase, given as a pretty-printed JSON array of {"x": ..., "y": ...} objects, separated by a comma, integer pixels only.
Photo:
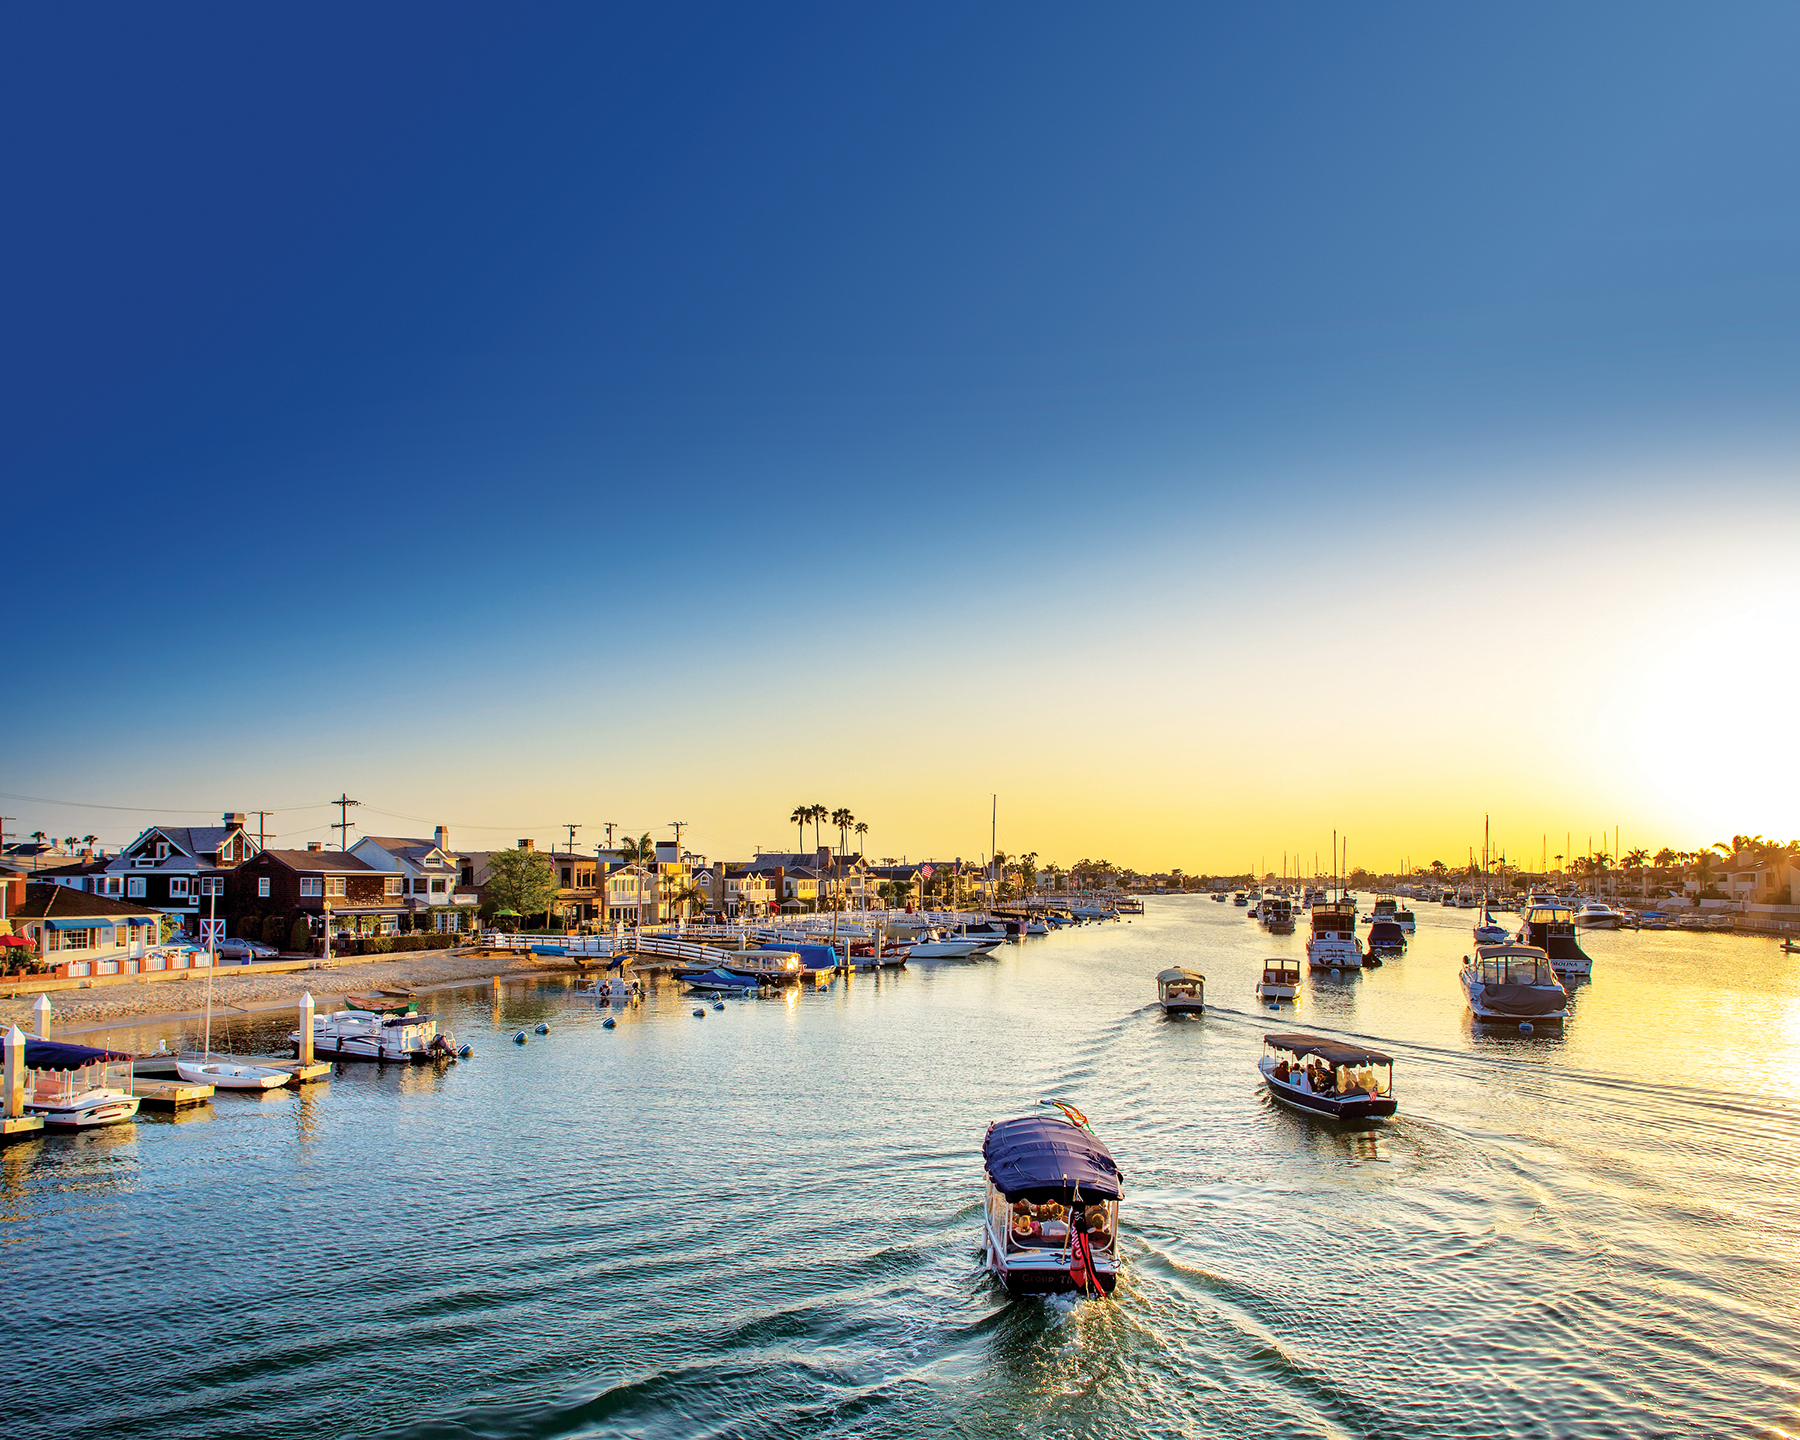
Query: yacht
[
  {"x": 1514, "y": 985},
  {"x": 1549, "y": 924},
  {"x": 1466, "y": 898},
  {"x": 1333, "y": 944},
  {"x": 934, "y": 945},
  {"x": 77, "y": 1087},
  {"x": 1598, "y": 915},
  {"x": 1181, "y": 992},
  {"x": 1386, "y": 908},
  {"x": 1278, "y": 916},
  {"x": 1328, "y": 1077},
  {"x": 1406, "y": 920},
  {"x": 1052, "y": 1211},
  {"x": 1385, "y": 938},
  {"x": 1240, "y": 898},
  {"x": 1280, "y": 980},
  {"x": 386, "y": 1039}
]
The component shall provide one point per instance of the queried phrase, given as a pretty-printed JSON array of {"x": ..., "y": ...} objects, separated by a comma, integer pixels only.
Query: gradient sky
[{"x": 1203, "y": 427}]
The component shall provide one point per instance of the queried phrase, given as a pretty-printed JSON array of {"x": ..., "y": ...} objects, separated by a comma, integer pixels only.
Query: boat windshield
[
  {"x": 1550, "y": 915},
  {"x": 1516, "y": 970}
]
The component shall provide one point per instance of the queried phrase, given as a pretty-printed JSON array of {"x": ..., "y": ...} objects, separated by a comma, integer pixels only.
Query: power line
[{"x": 156, "y": 809}]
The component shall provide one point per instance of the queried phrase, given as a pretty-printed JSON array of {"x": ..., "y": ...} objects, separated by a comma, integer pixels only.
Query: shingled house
[{"x": 311, "y": 883}]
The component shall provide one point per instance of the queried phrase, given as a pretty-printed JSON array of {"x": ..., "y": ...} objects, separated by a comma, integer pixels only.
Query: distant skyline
[{"x": 1204, "y": 429}]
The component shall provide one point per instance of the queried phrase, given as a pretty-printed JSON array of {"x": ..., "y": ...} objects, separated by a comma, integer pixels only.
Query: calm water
[{"x": 766, "y": 1222}]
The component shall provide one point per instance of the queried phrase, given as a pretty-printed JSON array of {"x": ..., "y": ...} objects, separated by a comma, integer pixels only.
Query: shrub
[
  {"x": 300, "y": 936},
  {"x": 275, "y": 931}
]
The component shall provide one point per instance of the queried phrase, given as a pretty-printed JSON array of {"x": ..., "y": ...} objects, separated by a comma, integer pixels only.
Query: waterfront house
[
  {"x": 631, "y": 895},
  {"x": 431, "y": 894},
  {"x": 165, "y": 865},
  {"x": 316, "y": 882},
  {"x": 91, "y": 875},
  {"x": 81, "y": 935}
]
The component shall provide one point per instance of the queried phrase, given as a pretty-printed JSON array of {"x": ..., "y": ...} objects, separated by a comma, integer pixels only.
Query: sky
[{"x": 1202, "y": 428}]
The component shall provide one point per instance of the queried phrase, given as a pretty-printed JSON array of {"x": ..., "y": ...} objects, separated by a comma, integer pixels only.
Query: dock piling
[
  {"x": 15, "y": 1072},
  {"x": 40, "y": 1016},
  {"x": 304, "y": 1050}
]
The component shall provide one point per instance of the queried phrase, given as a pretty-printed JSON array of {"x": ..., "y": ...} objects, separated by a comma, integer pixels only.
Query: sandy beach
[{"x": 74, "y": 1010}]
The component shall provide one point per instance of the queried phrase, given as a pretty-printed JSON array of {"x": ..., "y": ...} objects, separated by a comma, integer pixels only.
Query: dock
[
  {"x": 19, "y": 1127},
  {"x": 169, "y": 1095},
  {"x": 162, "y": 1067}
]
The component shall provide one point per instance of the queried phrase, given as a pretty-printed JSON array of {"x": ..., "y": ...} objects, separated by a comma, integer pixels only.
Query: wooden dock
[
  {"x": 169, "y": 1094},
  {"x": 19, "y": 1127}
]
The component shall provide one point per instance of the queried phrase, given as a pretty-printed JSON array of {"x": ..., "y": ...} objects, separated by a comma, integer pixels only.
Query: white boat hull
[
  {"x": 224, "y": 1075},
  {"x": 87, "y": 1110}
]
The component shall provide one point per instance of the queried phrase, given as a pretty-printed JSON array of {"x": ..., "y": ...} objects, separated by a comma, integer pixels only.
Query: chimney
[
  {"x": 234, "y": 819},
  {"x": 315, "y": 845},
  {"x": 441, "y": 838},
  {"x": 528, "y": 844}
]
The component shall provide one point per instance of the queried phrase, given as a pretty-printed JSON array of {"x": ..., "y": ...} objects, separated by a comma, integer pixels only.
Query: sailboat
[
  {"x": 1488, "y": 932},
  {"x": 224, "y": 1074}
]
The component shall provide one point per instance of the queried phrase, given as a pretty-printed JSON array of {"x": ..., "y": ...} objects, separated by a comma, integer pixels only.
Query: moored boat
[
  {"x": 1385, "y": 938},
  {"x": 1280, "y": 979},
  {"x": 1514, "y": 985},
  {"x": 1549, "y": 924},
  {"x": 1333, "y": 944},
  {"x": 1181, "y": 992},
  {"x": 386, "y": 1039},
  {"x": 1278, "y": 916},
  {"x": 223, "y": 1073},
  {"x": 1598, "y": 915},
  {"x": 1335, "y": 1078},
  {"x": 75, "y": 1087},
  {"x": 1406, "y": 920},
  {"x": 1052, "y": 1213}
]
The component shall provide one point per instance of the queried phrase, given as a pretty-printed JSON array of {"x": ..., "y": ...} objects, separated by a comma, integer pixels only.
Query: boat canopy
[
  {"x": 1333, "y": 1052},
  {"x": 1048, "y": 1153},
  {"x": 1281, "y": 966},
  {"x": 55, "y": 1055},
  {"x": 1175, "y": 975}
]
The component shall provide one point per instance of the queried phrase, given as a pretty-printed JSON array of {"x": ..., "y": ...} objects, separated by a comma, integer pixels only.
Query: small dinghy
[
  {"x": 224, "y": 1074},
  {"x": 1328, "y": 1077},
  {"x": 1052, "y": 1213}
]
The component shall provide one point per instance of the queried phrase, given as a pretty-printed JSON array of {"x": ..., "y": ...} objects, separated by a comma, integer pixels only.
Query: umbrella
[{"x": 17, "y": 940}]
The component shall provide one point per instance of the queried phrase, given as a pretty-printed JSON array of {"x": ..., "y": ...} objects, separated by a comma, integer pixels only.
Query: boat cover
[
  {"x": 818, "y": 956},
  {"x": 1334, "y": 1052},
  {"x": 1044, "y": 1152},
  {"x": 1524, "y": 1000},
  {"x": 1175, "y": 975},
  {"x": 54, "y": 1055}
]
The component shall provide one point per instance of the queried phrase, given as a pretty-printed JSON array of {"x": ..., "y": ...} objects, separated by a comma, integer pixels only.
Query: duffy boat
[
  {"x": 1328, "y": 1077},
  {"x": 1052, "y": 1215},
  {"x": 1181, "y": 992},
  {"x": 76, "y": 1087}
]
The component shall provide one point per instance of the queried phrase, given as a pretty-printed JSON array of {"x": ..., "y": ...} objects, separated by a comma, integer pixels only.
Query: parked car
[{"x": 244, "y": 950}]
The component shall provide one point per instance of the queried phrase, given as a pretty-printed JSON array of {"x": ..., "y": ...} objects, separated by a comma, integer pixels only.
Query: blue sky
[{"x": 693, "y": 409}]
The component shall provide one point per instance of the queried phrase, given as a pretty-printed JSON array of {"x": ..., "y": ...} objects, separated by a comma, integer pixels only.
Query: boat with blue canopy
[
  {"x": 75, "y": 1087},
  {"x": 1052, "y": 1211}
]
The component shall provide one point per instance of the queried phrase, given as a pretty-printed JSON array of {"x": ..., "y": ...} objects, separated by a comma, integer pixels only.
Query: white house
[{"x": 429, "y": 871}]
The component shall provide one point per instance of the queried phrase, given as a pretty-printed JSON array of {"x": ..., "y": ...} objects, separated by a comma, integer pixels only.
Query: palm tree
[
  {"x": 818, "y": 813},
  {"x": 861, "y": 827},
  {"x": 802, "y": 813},
  {"x": 1439, "y": 869},
  {"x": 842, "y": 820},
  {"x": 1636, "y": 860},
  {"x": 88, "y": 841},
  {"x": 640, "y": 849}
]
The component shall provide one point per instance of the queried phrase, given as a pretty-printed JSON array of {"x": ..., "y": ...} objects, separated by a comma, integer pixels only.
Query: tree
[
  {"x": 300, "y": 936},
  {"x": 1027, "y": 872},
  {"x": 522, "y": 881},
  {"x": 842, "y": 820},
  {"x": 1636, "y": 860},
  {"x": 817, "y": 816},
  {"x": 1439, "y": 869},
  {"x": 641, "y": 849},
  {"x": 861, "y": 827},
  {"x": 88, "y": 840},
  {"x": 802, "y": 813}
]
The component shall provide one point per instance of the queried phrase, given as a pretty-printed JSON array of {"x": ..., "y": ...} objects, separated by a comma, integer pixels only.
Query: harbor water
[{"x": 766, "y": 1221}]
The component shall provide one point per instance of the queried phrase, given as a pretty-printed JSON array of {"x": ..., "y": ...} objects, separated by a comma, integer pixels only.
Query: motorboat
[
  {"x": 1280, "y": 980},
  {"x": 1514, "y": 985},
  {"x": 1598, "y": 915},
  {"x": 1386, "y": 908},
  {"x": 1328, "y": 1077},
  {"x": 1181, "y": 992},
  {"x": 725, "y": 982},
  {"x": 76, "y": 1087},
  {"x": 1466, "y": 898},
  {"x": 1385, "y": 938},
  {"x": 1333, "y": 944},
  {"x": 1406, "y": 920},
  {"x": 385, "y": 1039},
  {"x": 1549, "y": 924},
  {"x": 223, "y": 1073},
  {"x": 1036, "y": 927},
  {"x": 1240, "y": 898},
  {"x": 934, "y": 945},
  {"x": 1278, "y": 916},
  {"x": 1052, "y": 1213},
  {"x": 1219, "y": 895}
]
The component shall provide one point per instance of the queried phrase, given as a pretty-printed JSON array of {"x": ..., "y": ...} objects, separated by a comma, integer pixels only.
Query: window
[
  {"x": 334, "y": 885},
  {"x": 565, "y": 875},
  {"x": 162, "y": 850},
  {"x": 178, "y": 887},
  {"x": 393, "y": 885},
  {"x": 311, "y": 885},
  {"x": 437, "y": 887},
  {"x": 114, "y": 884},
  {"x": 262, "y": 887},
  {"x": 134, "y": 887},
  {"x": 78, "y": 939}
]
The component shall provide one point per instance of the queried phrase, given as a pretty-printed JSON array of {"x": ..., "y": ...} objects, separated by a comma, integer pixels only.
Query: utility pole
[
  {"x": 343, "y": 802},
  {"x": 262, "y": 816},
  {"x": 679, "y": 826},
  {"x": 611, "y": 825},
  {"x": 571, "y": 829}
]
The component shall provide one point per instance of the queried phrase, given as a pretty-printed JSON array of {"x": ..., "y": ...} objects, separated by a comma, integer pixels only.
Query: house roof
[
  {"x": 322, "y": 860},
  {"x": 412, "y": 849},
  {"x": 44, "y": 901},
  {"x": 81, "y": 867}
]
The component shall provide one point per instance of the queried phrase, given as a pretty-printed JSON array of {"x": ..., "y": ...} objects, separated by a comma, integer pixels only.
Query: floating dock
[
  {"x": 169, "y": 1094},
  {"x": 19, "y": 1127}
]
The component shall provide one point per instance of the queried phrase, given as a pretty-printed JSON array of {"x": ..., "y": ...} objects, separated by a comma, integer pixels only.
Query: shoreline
[{"x": 74, "y": 1012}]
